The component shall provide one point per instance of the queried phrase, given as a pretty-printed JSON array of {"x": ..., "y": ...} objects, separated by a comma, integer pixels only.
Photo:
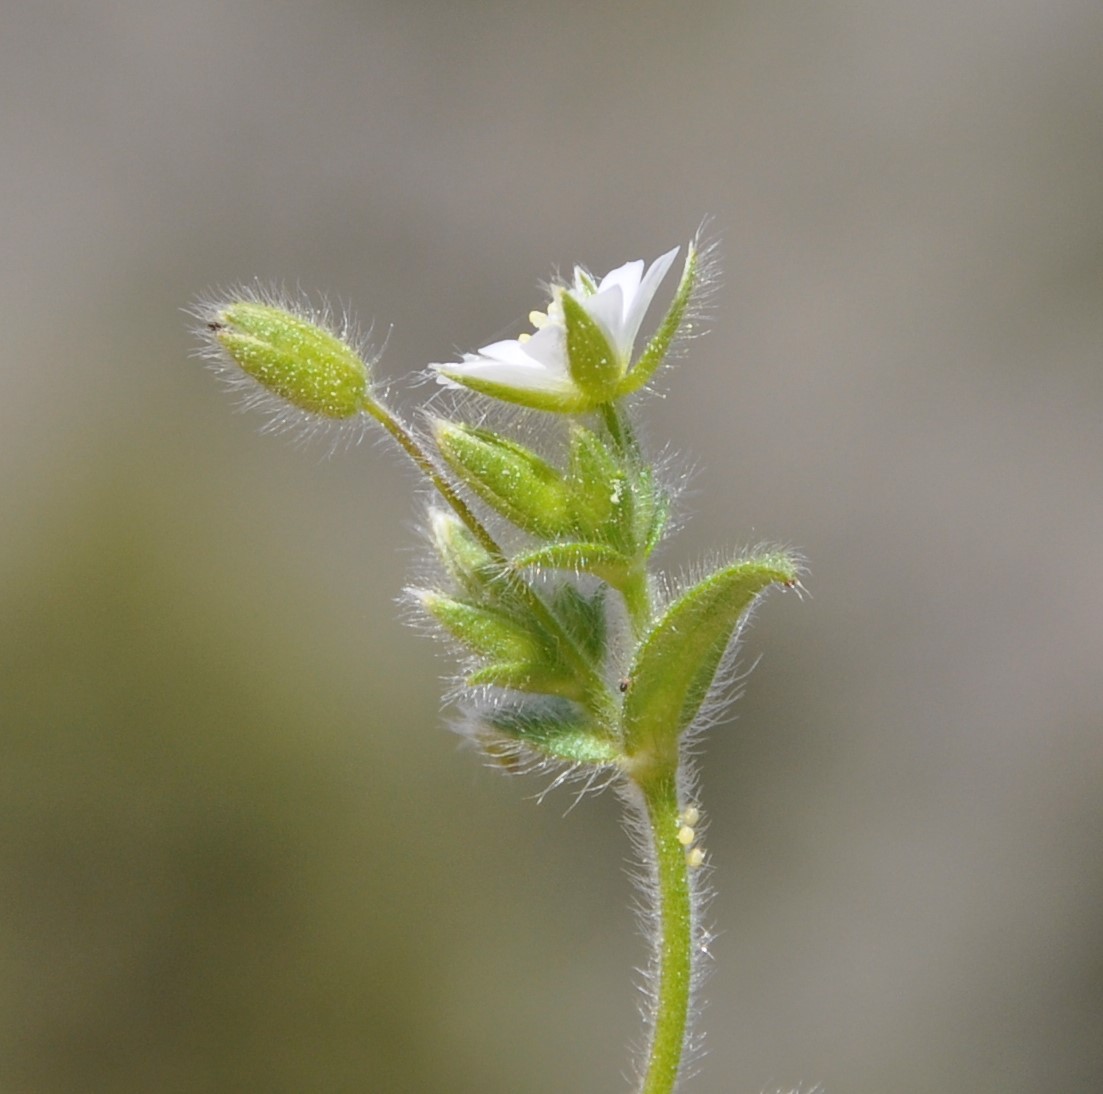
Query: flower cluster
[{"x": 575, "y": 654}]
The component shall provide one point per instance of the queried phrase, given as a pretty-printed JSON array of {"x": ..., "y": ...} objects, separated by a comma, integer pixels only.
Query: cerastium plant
[{"x": 579, "y": 658}]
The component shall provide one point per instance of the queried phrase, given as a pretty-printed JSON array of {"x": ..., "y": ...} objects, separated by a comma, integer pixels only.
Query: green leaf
[
  {"x": 677, "y": 661},
  {"x": 652, "y": 511},
  {"x": 561, "y": 400}
]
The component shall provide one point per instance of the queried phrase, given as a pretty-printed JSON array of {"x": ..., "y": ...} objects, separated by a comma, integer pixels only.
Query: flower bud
[
  {"x": 511, "y": 479},
  {"x": 465, "y": 559},
  {"x": 291, "y": 356}
]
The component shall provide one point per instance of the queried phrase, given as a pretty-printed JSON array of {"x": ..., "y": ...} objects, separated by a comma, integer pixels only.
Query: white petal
[
  {"x": 627, "y": 276},
  {"x": 549, "y": 346},
  {"x": 538, "y": 364},
  {"x": 509, "y": 352},
  {"x": 522, "y": 377},
  {"x": 606, "y": 309},
  {"x": 636, "y": 307}
]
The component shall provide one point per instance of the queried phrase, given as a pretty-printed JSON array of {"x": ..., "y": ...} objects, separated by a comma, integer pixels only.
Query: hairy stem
[
  {"x": 408, "y": 443},
  {"x": 674, "y": 945}
]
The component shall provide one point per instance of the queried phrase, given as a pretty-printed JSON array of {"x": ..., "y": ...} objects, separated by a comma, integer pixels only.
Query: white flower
[{"x": 535, "y": 369}]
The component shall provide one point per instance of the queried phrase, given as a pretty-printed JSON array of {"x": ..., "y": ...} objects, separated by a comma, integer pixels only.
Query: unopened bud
[
  {"x": 465, "y": 559},
  {"x": 510, "y": 478},
  {"x": 291, "y": 356}
]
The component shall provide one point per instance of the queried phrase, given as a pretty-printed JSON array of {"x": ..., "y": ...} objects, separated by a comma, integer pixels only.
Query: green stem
[
  {"x": 674, "y": 946},
  {"x": 407, "y": 442}
]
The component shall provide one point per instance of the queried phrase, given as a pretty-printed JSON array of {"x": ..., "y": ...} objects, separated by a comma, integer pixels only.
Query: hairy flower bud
[
  {"x": 291, "y": 356},
  {"x": 510, "y": 478},
  {"x": 465, "y": 559}
]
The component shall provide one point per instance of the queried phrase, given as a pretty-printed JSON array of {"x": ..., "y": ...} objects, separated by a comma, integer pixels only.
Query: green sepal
[
  {"x": 511, "y": 479},
  {"x": 556, "y": 730},
  {"x": 583, "y": 617},
  {"x": 659, "y": 345},
  {"x": 599, "y": 559},
  {"x": 518, "y": 653},
  {"x": 599, "y": 493},
  {"x": 486, "y": 631},
  {"x": 652, "y": 511},
  {"x": 566, "y": 400},
  {"x": 466, "y": 560},
  {"x": 594, "y": 366},
  {"x": 676, "y": 663},
  {"x": 529, "y": 676},
  {"x": 293, "y": 358}
]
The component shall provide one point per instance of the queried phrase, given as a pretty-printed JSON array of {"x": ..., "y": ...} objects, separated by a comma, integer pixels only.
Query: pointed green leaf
[
  {"x": 652, "y": 512},
  {"x": 677, "y": 661},
  {"x": 563, "y": 400},
  {"x": 515, "y": 651}
]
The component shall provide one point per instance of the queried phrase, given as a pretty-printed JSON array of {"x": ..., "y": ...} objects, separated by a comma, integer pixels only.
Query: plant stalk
[{"x": 674, "y": 955}]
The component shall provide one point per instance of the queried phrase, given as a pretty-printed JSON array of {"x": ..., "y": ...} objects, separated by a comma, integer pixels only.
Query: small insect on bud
[{"x": 291, "y": 356}]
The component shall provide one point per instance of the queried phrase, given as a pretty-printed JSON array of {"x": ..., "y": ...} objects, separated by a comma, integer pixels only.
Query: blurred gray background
[{"x": 238, "y": 849}]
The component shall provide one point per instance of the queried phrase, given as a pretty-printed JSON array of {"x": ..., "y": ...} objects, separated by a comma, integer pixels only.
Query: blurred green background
[{"x": 238, "y": 849}]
